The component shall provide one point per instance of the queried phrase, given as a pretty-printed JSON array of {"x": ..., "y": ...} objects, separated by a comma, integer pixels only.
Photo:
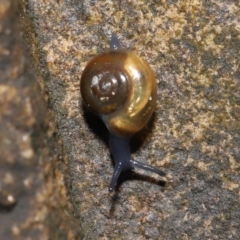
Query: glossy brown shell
[{"x": 120, "y": 87}]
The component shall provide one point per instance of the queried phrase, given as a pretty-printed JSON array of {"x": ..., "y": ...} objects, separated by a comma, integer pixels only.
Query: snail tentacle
[
  {"x": 120, "y": 149},
  {"x": 147, "y": 167},
  {"x": 116, "y": 173}
]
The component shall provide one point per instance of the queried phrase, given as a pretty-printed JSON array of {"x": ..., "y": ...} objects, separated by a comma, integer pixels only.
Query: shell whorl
[{"x": 121, "y": 88}]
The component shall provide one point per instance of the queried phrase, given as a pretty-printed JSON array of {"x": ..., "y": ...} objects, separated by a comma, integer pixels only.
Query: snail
[{"x": 121, "y": 89}]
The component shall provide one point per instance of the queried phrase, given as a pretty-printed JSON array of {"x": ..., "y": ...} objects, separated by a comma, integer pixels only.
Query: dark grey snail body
[{"x": 121, "y": 88}]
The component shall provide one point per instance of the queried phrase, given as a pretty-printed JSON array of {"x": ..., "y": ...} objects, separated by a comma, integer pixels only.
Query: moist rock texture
[
  {"x": 31, "y": 170},
  {"x": 194, "y": 49}
]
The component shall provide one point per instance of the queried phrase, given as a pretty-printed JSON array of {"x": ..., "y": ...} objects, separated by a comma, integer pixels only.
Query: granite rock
[{"x": 194, "y": 50}]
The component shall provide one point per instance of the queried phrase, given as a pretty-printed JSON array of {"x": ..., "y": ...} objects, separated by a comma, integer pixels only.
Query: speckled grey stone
[
  {"x": 31, "y": 170},
  {"x": 193, "y": 48}
]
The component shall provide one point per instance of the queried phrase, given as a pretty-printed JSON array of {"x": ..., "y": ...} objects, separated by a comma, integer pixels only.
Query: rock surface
[
  {"x": 194, "y": 50},
  {"x": 31, "y": 170}
]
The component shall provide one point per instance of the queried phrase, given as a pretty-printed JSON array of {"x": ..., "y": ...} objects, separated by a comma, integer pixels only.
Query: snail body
[{"x": 121, "y": 88}]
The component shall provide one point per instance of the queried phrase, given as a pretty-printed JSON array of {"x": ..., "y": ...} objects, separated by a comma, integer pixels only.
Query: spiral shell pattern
[{"x": 121, "y": 88}]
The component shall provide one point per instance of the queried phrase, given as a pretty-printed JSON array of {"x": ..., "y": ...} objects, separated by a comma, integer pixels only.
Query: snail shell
[{"x": 121, "y": 88}]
